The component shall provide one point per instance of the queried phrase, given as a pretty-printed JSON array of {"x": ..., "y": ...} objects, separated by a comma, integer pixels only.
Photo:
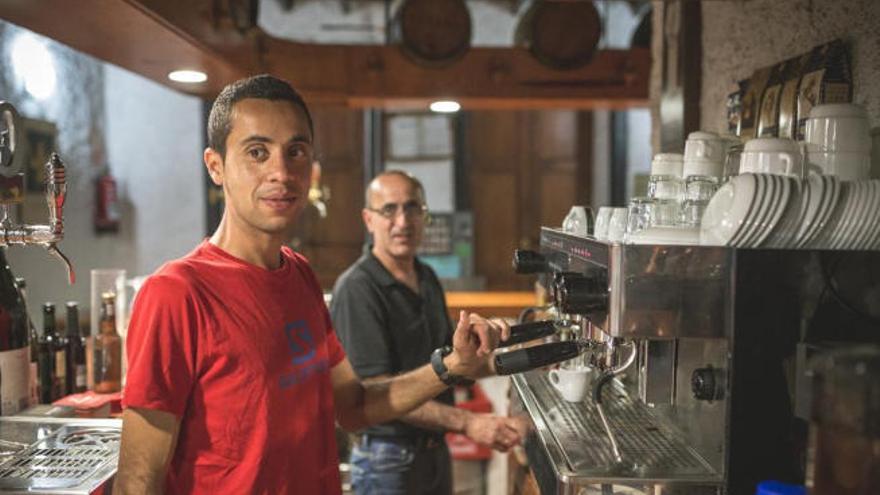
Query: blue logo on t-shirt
[
  {"x": 299, "y": 339},
  {"x": 303, "y": 353}
]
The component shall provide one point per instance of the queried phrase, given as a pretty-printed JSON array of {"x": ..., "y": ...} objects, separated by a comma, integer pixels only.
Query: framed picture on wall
[{"x": 39, "y": 140}]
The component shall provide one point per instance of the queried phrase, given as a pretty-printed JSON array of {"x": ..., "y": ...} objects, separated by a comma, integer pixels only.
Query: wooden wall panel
[
  {"x": 496, "y": 228},
  {"x": 555, "y": 134},
  {"x": 527, "y": 169},
  {"x": 494, "y": 139},
  {"x": 334, "y": 242},
  {"x": 557, "y": 197}
]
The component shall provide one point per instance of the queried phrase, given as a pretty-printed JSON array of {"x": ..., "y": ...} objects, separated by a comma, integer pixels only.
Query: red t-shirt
[{"x": 242, "y": 356}]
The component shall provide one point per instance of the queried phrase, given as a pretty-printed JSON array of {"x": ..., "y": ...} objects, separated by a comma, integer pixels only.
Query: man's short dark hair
[{"x": 264, "y": 86}]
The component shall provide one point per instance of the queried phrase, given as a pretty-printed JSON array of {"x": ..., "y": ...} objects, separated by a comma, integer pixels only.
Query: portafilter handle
[
  {"x": 525, "y": 332},
  {"x": 508, "y": 363}
]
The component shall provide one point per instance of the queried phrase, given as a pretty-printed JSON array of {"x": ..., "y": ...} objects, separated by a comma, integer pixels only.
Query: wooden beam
[
  {"x": 123, "y": 34},
  {"x": 152, "y": 37}
]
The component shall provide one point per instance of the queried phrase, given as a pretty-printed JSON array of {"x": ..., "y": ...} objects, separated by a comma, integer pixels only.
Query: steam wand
[{"x": 603, "y": 379}]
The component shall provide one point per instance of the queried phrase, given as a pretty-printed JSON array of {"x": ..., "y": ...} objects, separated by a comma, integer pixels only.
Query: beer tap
[{"x": 11, "y": 192}]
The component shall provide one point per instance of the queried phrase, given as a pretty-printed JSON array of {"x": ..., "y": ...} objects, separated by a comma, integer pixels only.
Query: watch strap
[{"x": 443, "y": 374}]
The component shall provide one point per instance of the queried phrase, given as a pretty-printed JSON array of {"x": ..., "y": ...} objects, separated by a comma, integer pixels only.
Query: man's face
[
  {"x": 396, "y": 234},
  {"x": 265, "y": 175}
]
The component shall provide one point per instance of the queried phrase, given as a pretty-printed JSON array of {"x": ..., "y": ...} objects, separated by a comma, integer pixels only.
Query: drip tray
[
  {"x": 650, "y": 448},
  {"x": 57, "y": 455}
]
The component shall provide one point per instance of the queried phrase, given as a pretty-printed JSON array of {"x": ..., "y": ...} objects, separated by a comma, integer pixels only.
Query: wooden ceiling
[{"x": 154, "y": 37}]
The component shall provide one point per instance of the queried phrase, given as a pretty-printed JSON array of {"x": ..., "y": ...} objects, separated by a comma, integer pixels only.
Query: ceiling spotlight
[
  {"x": 445, "y": 106},
  {"x": 188, "y": 76},
  {"x": 34, "y": 64}
]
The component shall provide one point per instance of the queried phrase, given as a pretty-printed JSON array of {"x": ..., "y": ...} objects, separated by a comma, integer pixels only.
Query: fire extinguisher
[{"x": 106, "y": 204}]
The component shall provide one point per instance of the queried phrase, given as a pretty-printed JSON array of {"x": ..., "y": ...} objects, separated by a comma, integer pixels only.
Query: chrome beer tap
[{"x": 12, "y": 192}]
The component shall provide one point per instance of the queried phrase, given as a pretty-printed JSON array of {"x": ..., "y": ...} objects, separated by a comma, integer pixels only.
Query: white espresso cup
[
  {"x": 772, "y": 156},
  {"x": 573, "y": 384},
  {"x": 839, "y": 127},
  {"x": 667, "y": 164},
  {"x": 842, "y": 164},
  {"x": 705, "y": 146}
]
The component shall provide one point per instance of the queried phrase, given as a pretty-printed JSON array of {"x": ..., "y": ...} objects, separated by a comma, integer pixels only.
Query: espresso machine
[{"x": 702, "y": 385}]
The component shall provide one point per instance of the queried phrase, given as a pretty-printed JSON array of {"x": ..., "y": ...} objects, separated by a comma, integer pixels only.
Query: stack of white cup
[
  {"x": 704, "y": 156},
  {"x": 666, "y": 180},
  {"x": 838, "y": 141}
]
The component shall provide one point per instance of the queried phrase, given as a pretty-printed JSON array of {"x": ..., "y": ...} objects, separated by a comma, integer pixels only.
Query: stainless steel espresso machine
[{"x": 700, "y": 352}]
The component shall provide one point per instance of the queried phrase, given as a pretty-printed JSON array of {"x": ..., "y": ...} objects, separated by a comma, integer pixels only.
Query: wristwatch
[{"x": 443, "y": 373}]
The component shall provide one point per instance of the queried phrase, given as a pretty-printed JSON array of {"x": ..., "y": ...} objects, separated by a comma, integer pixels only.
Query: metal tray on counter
[
  {"x": 574, "y": 442},
  {"x": 57, "y": 455}
]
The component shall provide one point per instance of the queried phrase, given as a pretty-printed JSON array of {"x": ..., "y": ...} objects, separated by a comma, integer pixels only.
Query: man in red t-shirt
[{"x": 235, "y": 374}]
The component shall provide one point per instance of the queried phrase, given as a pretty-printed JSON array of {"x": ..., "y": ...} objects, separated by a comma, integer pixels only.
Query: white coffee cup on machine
[
  {"x": 772, "y": 156},
  {"x": 573, "y": 384},
  {"x": 704, "y": 154}
]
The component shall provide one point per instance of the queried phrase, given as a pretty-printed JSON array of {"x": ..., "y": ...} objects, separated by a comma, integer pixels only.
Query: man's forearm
[
  {"x": 391, "y": 398},
  {"x": 434, "y": 415},
  {"x": 147, "y": 445}
]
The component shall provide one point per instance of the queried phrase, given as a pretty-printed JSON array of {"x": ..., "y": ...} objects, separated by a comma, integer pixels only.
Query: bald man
[{"x": 390, "y": 314}]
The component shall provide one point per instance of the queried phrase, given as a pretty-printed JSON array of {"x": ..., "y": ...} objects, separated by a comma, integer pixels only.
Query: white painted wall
[{"x": 154, "y": 145}]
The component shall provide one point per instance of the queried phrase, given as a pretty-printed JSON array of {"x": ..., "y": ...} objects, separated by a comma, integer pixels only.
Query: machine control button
[{"x": 707, "y": 384}]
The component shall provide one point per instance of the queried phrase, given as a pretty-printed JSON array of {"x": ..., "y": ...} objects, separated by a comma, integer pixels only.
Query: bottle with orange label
[{"x": 107, "y": 364}]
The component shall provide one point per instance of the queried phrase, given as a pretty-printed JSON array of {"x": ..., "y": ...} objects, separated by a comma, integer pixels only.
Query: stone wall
[{"x": 740, "y": 36}]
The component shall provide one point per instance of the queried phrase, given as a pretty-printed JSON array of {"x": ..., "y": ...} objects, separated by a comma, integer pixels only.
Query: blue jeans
[{"x": 391, "y": 466}]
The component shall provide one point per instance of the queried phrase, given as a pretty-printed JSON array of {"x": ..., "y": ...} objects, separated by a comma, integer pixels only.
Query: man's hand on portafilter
[{"x": 473, "y": 342}]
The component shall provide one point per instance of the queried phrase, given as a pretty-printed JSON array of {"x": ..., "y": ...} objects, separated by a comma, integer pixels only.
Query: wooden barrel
[
  {"x": 561, "y": 34},
  {"x": 432, "y": 32}
]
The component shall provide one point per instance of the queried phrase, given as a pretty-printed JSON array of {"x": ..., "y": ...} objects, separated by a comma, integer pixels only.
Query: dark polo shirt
[{"x": 386, "y": 328}]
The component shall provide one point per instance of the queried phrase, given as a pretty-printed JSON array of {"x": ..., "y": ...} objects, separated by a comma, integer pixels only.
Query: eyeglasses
[{"x": 412, "y": 210}]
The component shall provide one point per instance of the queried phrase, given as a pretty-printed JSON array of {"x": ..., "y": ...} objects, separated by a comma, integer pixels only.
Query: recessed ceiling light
[
  {"x": 445, "y": 106},
  {"x": 188, "y": 76},
  {"x": 33, "y": 63}
]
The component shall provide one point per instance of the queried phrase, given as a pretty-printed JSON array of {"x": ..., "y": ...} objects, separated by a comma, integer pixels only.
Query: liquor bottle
[
  {"x": 14, "y": 350},
  {"x": 108, "y": 349},
  {"x": 46, "y": 358},
  {"x": 34, "y": 376},
  {"x": 59, "y": 351},
  {"x": 76, "y": 355}
]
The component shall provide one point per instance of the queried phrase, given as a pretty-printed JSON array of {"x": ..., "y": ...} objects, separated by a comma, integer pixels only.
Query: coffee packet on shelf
[
  {"x": 751, "y": 103},
  {"x": 788, "y": 97},
  {"x": 826, "y": 79}
]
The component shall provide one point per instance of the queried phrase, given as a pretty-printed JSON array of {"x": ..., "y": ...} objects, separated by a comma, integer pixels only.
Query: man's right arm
[{"x": 148, "y": 441}]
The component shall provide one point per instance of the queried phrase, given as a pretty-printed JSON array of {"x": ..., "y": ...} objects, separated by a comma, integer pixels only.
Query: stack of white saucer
[{"x": 778, "y": 211}]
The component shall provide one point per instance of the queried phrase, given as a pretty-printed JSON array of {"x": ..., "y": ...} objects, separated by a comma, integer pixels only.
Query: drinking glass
[
  {"x": 600, "y": 231},
  {"x": 617, "y": 224}
]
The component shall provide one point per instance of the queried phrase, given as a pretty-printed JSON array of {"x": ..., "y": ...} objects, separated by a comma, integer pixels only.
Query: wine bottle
[
  {"x": 76, "y": 357},
  {"x": 34, "y": 376},
  {"x": 108, "y": 349},
  {"x": 59, "y": 351},
  {"x": 14, "y": 350}
]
